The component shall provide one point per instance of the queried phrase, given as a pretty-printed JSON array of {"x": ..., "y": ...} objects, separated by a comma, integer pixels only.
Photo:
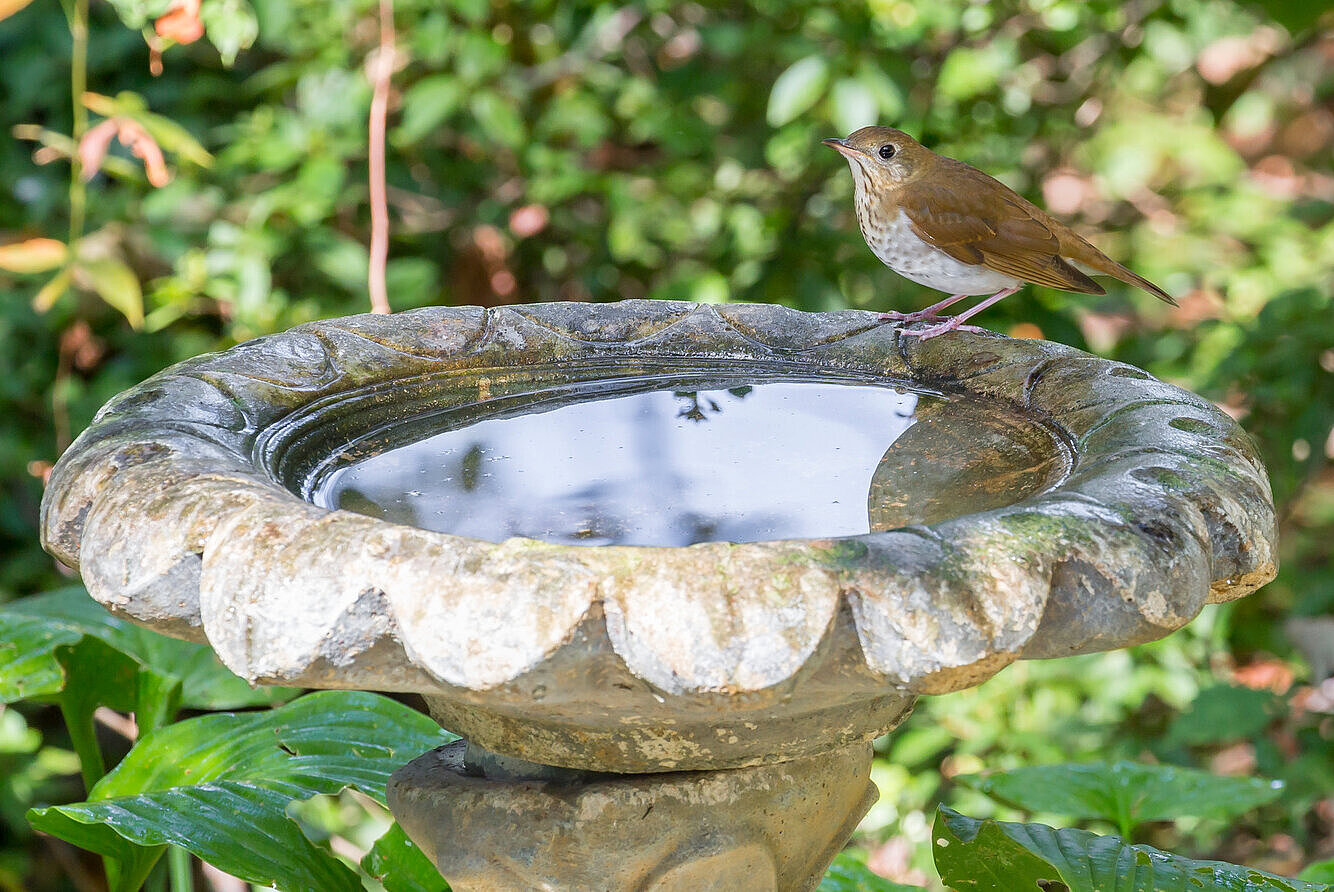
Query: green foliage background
[{"x": 590, "y": 151}]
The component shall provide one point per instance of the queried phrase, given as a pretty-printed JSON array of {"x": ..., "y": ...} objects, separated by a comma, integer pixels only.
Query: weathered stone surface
[
  {"x": 503, "y": 824},
  {"x": 173, "y": 507}
]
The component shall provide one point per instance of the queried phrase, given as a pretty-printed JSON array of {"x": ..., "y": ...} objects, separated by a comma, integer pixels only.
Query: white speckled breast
[{"x": 899, "y": 248}]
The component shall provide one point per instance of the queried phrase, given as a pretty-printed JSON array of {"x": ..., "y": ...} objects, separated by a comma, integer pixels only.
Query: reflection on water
[{"x": 768, "y": 461}]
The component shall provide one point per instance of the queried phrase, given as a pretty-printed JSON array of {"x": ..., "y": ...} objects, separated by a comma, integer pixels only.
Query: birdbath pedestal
[{"x": 670, "y": 676}]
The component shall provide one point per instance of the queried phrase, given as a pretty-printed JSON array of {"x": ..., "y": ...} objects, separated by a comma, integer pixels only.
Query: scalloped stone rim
[{"x": 639, "y": 654}]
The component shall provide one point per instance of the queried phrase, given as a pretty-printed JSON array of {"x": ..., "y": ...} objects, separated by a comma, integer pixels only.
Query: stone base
[{"x": 492, "y": 822}]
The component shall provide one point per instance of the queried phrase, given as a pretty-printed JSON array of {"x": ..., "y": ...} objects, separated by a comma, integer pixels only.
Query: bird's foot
[
  {"x": 922, "y": 316},
  {"x": 935, "y": 331}
]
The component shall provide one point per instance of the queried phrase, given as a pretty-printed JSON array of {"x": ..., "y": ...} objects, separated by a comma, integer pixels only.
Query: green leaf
[
  {"x": 426, "y": 105},
  {"x": 137, "y": 13},
  {"x": 847, "y": 874},
  {"x": 401, "y": 866},
  {"x": 231, "y": 26},
  {"x": 32, "y": 628},
  {"x": 1224, "y": 712},
  {"x": 132, "y": 862},
  {"x": 1125, "y": 793},
  {"x": 117, "y": 285},
  {"x": 797, "y": 89},
  {"x": 219, "y": 785},
  {"x": 498, "y": 119},
  {"x": 1320, "y": 872},
  {"x": 980, "y": 856},
  {"x": 854, "y": 105}
]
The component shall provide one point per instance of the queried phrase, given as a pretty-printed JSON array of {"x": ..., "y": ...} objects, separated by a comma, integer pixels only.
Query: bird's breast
[{"x": 890, "y": 236}]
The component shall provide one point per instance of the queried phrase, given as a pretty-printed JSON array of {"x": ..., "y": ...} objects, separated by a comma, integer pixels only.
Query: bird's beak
[{"x": 841, "y": 147}]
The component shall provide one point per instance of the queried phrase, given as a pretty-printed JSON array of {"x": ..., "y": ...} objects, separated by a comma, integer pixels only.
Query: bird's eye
[{"x": 886, "y": 151}]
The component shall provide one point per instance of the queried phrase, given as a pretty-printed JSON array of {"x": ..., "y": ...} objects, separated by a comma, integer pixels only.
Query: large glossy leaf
[
  {"x": 998, "y": 856},
  {"x": 400, "y": 865},
  {"x": 32, "y": 628},
  {"x": 847, "y": 874},
  {"x": 219, "y": 785},
  {"x": 1125, "y": 793}
]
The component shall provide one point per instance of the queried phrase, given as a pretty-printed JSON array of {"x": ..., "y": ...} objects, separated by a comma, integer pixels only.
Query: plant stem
[
  {"x": 381, "y": 70},
  {"x": 178, "y": 864},
  {"x": 77, "y": 12}
]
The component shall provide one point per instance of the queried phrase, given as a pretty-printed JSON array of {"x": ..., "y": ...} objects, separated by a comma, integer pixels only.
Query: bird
[{"x": 949, "y": 226}]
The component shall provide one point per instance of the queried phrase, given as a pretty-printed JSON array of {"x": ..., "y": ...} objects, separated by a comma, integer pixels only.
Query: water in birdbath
[{"x": 738, "y": 462}]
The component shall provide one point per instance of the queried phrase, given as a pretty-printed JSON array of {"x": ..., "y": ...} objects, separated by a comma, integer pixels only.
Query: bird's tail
[{"x": 1091, "y": 260}]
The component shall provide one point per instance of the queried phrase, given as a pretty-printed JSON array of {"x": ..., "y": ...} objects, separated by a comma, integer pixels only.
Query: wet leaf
[
  {"x": 401, "y": 866},
  {"x": 219, "y": 785}
]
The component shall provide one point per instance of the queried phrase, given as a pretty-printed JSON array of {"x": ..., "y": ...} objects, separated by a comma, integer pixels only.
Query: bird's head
[{"x": 882, "y": 157}]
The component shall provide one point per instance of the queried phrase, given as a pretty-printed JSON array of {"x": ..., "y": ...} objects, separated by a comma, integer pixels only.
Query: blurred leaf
[
  {"x": 9, "y": 7},
  {"x": 498, "y": 119},
  {"x": 847, "y": 874},
  {"x": 982, "y": 856},
  {"x": 35, "y": 255},
  {"x": 797, "y": 89},
  {"x": 1320, "y": 872},
  {"x": 1295, "y": 15},
  {"x": 219, "y": 785},
  {"x": 854, "y": 105},
  {"x": 969, "y": 71},
  {"x": 52, "y": 291},
  {"x": 426, "y": 105},
  {"x": 231, "y": 26},
  {"x": 1222, "y": 713},
  {"x": 137, "y": 13},
  {"x": 1125, "y": 793},
  {"x": 116, "y": 284},
  {"x": 401, "y": 866}
]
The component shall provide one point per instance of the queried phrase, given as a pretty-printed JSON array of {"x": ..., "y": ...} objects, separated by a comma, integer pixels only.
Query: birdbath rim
[{"x": 167, "y": 508}]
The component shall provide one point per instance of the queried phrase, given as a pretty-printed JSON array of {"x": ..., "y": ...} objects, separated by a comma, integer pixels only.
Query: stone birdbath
[{"x": 668, "y": 569}]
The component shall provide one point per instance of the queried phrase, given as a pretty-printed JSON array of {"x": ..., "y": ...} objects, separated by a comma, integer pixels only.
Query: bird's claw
[
  {"x": 933, "y": 331},
  {"x": 893, "y": 316}
]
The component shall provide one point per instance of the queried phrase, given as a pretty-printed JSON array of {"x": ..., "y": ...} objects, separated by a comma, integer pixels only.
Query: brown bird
[{"x": 943, "y": 224}]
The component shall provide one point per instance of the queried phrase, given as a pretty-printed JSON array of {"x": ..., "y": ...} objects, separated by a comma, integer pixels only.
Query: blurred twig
[{"x": 381, "y": 71}]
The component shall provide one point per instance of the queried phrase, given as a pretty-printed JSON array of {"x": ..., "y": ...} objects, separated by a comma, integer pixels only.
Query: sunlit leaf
[
  {"x": 34, "y": 255},
  {"x": 9, "y": 7},
  {"x": 230, "y": 25},
  {"x": 797, "y": 89},
  {"x": 115, "y": 283},
  {"x": 853, "y": 104}
]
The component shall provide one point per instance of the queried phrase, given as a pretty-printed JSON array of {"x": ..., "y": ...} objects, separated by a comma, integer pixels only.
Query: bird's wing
[{"x": 976, "y": 219}]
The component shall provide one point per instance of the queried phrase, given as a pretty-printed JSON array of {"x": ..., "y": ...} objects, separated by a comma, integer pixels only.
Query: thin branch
[{"x": 381, "y": 69}]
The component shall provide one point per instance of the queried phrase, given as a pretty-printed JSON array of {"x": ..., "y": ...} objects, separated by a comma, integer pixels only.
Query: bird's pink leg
[
  {"x": 931, "y": 312},
  {"x": 955, "y": 323}
]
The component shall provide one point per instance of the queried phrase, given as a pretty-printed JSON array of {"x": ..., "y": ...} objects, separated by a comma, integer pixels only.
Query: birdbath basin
[{"x": 668, "y": 569}]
